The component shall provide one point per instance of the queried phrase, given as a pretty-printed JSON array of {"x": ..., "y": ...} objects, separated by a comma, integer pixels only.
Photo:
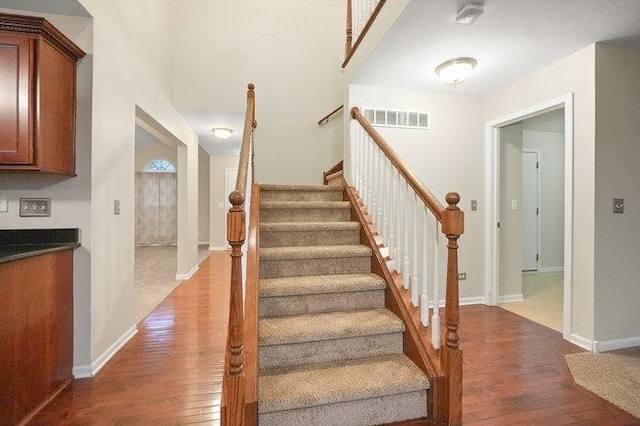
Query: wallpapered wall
[{"x": 156, "y": 208}]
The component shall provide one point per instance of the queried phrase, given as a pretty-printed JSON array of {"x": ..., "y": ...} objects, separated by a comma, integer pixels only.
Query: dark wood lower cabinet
[{"x": 36, "y": 332}]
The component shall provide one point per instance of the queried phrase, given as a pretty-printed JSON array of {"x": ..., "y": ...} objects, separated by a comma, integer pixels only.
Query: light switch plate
[
  {"x": 4, "y": 204},
  {"x": 35, "y": 207}
]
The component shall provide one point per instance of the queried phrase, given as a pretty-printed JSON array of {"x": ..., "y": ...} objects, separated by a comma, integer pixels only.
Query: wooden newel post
[
  {"x": 451, "y": 355},
  {"x": 347, "y": 47},
  {"x": 234, "y": 391}
]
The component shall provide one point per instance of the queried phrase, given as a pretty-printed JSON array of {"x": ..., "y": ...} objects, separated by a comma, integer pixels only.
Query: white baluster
[
  {"x": 365, "y": 170},
  {"x": 415, "y": 281},
  {"x": 385, "y": 202},
  {"x": 435, "y": 317},
  {"x": 398, "y": 217},
  {"x": 356, "y": 157},
  {"x": 424, "y": 299},
  {"x": 392, "y": 217},
  {"x": 380, "y": 180},
  {"x": 373, "y": 203},
  {"x": 406, "y": 248}
]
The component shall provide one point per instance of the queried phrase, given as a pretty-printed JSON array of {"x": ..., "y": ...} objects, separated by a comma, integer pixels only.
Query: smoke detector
[{"x": 468, "y": 14}]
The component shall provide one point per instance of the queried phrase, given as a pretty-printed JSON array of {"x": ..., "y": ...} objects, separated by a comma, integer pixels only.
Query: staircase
[{"x": 329, "y": 351}]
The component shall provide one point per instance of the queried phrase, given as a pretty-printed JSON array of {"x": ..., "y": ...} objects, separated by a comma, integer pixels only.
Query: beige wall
[
  {"x": 435, "y": 155},
  {"x": 291, "y": 50},
  {"x": 617, "y": 168},
  {"x": 510, "y": 286},
  {"x": 155, "y": 151},
  {"x": 219, "y": 204},
  {"x": 203, "y": 196},
  {"x": 573, "y": 74}
]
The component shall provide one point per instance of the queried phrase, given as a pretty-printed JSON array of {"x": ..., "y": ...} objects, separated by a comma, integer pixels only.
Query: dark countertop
[{"x": 16, "y": 244}]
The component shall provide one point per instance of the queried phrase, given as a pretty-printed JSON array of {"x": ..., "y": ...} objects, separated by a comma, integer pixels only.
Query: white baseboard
[
  {"x": 510, "y": 298},
  {"x": 612, "y": 345},
  {"x": 217, "y": 248},
  {"x": 581, "y": 341},
  {"x": 552, "y": 269},
  {"x": 470, "y": 301},
  {"x": 85, "y": 371},
  {"x": 188, "y": 274}
]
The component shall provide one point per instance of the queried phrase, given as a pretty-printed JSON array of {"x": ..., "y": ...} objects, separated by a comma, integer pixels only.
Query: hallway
[{"x": 170, "y": 373}]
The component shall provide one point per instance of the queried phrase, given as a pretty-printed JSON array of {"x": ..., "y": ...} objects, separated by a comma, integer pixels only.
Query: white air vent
[{"x": 392, "y": 118}]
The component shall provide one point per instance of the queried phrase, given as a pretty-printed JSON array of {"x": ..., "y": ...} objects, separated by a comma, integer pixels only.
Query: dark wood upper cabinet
[{"x": 37, "y": 96}]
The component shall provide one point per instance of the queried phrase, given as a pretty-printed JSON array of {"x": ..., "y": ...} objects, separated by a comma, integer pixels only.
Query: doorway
[{"x": 526, "y": 211}]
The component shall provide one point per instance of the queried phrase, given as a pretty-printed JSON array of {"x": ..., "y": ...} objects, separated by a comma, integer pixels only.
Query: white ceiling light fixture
[
  {"x": 455, "y": 71},
  {"x": 222, "y": 132},
  {"x": 468, "y": 14}
]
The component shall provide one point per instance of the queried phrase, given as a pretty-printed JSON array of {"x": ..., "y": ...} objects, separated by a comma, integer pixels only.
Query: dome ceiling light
[
  {"x": 222, "y": 132},
  {"x": 455, "y": 71},
  {"x": 468, "y": 14}
]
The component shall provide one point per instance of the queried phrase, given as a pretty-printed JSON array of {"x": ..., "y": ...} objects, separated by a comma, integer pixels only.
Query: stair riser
[
  {"x": 337, "y": 214},
  {"x": 288, "y": 355},
  {"x": 299, "y": 267},
  {"x": 373, "y": 411},
  {"x": 267, "y": 195},
  {"x": 325, "y": 302},
  {"x": 308, "y": 238}
]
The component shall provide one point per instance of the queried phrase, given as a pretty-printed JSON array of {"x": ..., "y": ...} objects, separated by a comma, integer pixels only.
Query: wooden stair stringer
[{"x": 398, "y": 300}]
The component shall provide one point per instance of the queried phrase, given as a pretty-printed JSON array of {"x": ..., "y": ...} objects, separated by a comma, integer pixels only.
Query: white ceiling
[
  {"x": 510, "y": 40},
  {"x": 56, "y": 7},
  {"x": 203, "y": 121}
]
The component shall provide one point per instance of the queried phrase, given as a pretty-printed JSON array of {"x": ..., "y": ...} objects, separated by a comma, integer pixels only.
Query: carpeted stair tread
[
  {"x": 308, "y": 226},
  {"x": 318, "y": 284},
  {"x": 314, "y": 252},
  {"x": 320, "y": 188},
  {"x": 305, "y": 205},
  {"x": 327, "y": 326},
  {"x": 318, "y": 384}
]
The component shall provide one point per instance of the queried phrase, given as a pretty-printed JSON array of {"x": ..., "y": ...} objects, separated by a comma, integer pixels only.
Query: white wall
[
  {"x": 572, "y": 74},
  {"x": 203, "y": 196},
  {"x": 130, "y": 56},
  {"x": 510, "y": 286},
  {"x": 551, "y": 147},
  {"x": 219, "y": 204},
  {"x": 155, "y": 151},
  {"x": 617, "y": 168},
  {"x": 445, "y": 157},
  {"x": 291, "y": 50}
]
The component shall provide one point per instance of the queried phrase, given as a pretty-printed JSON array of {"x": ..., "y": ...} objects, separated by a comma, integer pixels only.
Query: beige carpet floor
[
  {"x": 155, "y": 274},
  {"x": 614, "y": 376},
  {"x": 543, "y": 296}
]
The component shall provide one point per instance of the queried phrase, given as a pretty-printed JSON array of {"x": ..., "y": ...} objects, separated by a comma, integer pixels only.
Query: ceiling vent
[
  {"x": 393, "y": 118},
  {"x": 468, "y": 14}
]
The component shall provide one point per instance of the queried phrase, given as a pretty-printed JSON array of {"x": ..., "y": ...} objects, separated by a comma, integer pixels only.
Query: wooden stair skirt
[{"x": 330, "y": 342}]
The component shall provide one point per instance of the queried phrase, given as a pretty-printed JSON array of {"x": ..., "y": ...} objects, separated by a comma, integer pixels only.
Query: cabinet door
[{"x": 16, "y": 92}]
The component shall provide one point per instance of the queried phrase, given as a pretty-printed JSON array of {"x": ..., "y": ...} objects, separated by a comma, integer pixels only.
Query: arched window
[{"x": 160, "y": 165}]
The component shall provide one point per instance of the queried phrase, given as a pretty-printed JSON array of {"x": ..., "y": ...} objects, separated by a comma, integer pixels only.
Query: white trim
[
  {"x": 188, "y": 274},
  {"x": 612, "y": 345},
  {"x": 581, "y": 341},
  {"x": 218, "y": 248},
  {"x": 463, "y": 301},
  {"x": 492, "y": 200},
  {"x": 511, "y": 298},
  {"x": 86, "y": 371},
  {"x": 538, "y": 203},
  {"x": 552, "y": 269}
]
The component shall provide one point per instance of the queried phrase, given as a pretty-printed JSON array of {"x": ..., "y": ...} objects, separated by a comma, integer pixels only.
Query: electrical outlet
[
  {"x": 462, "y": 276},
  {"x": 35, "y": 207},
  {"x": 4, "y": 204}
]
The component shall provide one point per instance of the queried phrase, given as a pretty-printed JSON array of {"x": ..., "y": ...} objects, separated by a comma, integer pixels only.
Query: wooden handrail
[
  {"x": 233, "y": 388},
  {"x": 425, "y": 195},
  {"x": 449, "y": 401},
  {"x": 351, "y": 49},
  {"x": 326, "y": 118},
  {"x": 338, "y": 167}
]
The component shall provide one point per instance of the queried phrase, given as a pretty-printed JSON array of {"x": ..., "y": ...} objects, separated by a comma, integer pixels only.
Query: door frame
[
  {"x": 492, "y": 200},
  {"x": 538, "y": 199}
]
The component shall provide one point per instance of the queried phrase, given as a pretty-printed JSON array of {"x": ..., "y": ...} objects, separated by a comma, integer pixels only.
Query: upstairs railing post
[
  {"x": 347, "y": 48},
  {"x": 451, "y": 355},
  {"x": 234, "y": 390}
]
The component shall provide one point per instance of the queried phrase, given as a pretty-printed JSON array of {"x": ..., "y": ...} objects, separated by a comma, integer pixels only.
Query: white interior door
[{"x": 530, "y": 210}]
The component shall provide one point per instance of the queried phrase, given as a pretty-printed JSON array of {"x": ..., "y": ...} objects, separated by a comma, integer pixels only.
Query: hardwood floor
[{"x": 170, "y": 372}]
